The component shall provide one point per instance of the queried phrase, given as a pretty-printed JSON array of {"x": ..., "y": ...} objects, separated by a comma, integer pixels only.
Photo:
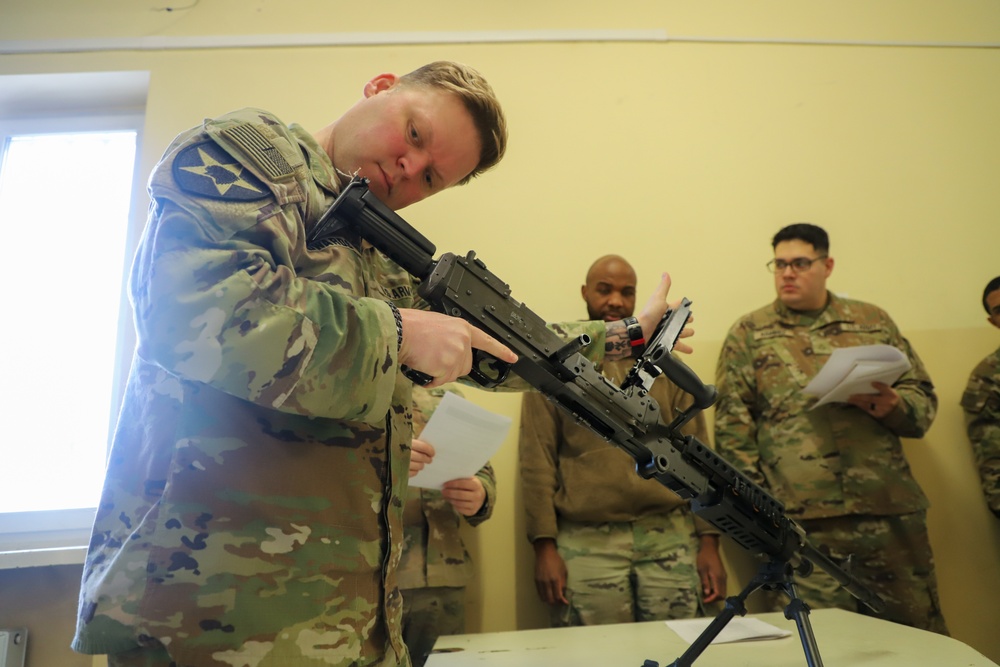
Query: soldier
[
  {"x": 253, "y": 502},
  {"x": 981, "y": 402},
  {"x": 839, "y": 468},
  {"x": 611, "y": 547},
  {"x": 436, "y": 566}
]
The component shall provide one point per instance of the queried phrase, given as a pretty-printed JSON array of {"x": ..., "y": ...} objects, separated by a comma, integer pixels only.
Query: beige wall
[{"x": 683, "y": 155}]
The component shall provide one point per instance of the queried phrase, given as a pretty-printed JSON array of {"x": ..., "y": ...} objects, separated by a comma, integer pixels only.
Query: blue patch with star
[{"x": 205, "y": 169}]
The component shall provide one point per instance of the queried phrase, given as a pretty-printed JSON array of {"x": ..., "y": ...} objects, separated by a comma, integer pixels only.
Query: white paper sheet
[
  {"x": 738, "y": 629},
  {"x": 464, "y": 436},
  {"x": 851, "y": 370}
]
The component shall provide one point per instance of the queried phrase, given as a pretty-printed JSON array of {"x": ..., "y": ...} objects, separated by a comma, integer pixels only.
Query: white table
[{"x": 845, "y": 639}]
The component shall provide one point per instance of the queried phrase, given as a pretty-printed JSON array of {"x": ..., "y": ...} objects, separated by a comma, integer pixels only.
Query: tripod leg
[
  {"x": 798, "y": 611},
  {"x": 734, "y": 605},
  {"x": 771, "y": 575}
]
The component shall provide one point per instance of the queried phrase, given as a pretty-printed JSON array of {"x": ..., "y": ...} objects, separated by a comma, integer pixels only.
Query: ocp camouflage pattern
[
  {"x": 252, "y": 508},
  {"x": 981, "y": 403},
  {"x": 434, "y": 553},
  {"x": 833, "y": 460}
]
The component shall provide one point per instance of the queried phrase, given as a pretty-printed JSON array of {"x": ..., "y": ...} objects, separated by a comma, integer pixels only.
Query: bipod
[{"x": 772, "y": 575}]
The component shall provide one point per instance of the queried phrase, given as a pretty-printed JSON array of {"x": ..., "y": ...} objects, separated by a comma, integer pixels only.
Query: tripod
[{"x": 772, "y": 575}]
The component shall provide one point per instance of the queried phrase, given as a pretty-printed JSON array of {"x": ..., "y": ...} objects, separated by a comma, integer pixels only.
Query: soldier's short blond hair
[{"x": 478, "y": 97}]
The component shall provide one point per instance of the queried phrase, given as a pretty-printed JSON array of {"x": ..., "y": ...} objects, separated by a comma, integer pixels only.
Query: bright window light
[{"x": 64, "y": 205}]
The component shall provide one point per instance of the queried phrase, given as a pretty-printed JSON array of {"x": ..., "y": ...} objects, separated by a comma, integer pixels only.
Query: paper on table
[
  {"x": 738, "y": 629},
  {"x": 464, "y": 436},
  {"x": 851, "y": 370}
]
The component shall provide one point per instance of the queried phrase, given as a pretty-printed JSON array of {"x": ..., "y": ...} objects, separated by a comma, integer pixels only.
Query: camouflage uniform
[
  {"x": 252, "y": 507},
  {"x": 629, "y": 544},
  {"x": 981, "y": 402},
  {"x": 436, "y": 566},
  {"x": 835, "y": 461}
]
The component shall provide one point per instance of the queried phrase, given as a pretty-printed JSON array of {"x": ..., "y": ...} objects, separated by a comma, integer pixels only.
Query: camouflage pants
[
  {"x": 429, "y": 613},
  {"x": 621, "y": 572},
  {"x": 891, "y": 555},
  {"x": 149, "y": 656}
]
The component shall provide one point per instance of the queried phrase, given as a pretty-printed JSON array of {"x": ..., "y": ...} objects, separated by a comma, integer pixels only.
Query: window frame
[{"x": 50, "y": 537}]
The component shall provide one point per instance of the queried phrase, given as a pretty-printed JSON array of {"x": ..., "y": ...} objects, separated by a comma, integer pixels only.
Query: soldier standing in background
[
  {"x": 610, "y": 546},
  {"x": 839, "y": 469},
  {"x": 981, "y": 402},
  {"x": 436, "y": 567}
]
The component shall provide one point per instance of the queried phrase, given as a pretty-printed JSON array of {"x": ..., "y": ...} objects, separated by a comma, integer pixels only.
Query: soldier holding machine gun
[{"x": 252, "y": 508}]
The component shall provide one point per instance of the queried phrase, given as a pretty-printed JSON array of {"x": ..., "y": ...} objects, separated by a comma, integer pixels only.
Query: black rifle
[{"x": 625, "y": 416}]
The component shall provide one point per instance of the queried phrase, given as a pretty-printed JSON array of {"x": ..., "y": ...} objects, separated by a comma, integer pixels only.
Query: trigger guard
[{"x": 502, "y": 369}]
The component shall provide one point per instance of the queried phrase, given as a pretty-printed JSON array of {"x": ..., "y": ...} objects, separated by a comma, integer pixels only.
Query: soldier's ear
[{"x": 380, "y": 83}]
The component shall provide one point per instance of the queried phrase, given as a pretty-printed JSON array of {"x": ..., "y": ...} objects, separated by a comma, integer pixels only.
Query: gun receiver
[{"x": 626, "y": 416}]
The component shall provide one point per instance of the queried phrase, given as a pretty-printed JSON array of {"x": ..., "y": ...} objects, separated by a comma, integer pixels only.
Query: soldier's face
[
  {"x": 993, "y": 301},
  {"x": 610, "y": 291},
  {"x": 410, "y": 141},
  {"x": 801, "y": 290}
]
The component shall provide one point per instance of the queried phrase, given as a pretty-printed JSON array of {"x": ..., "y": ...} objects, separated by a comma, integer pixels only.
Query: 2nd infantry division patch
[{"x": 207, "y": 170}]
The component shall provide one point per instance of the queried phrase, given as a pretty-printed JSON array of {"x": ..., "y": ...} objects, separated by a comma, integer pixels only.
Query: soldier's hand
[
  {"x": 421, "y": 454},
  {"x": 877, "y": 405},
  {"x": 441, "y": 346},
  {"x": 653, "y": 312},
  {"x": 550, "y": 572},
  {"x": 711, "y": 571},
  {"x": 466, "y": 495}
]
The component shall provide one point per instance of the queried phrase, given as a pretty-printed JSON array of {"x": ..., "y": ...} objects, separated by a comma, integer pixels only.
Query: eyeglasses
[{"x": 799, "y": 264}]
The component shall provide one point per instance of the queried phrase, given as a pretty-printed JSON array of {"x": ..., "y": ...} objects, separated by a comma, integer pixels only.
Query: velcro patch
[
  {"x": 207, "y": 170},
  {"x": 259, "y": 149}
]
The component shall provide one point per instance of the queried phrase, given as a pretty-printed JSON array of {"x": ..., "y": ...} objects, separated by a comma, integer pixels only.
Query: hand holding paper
[
  {"x": 852, "y": 370},
  {"x": 464, "y": 437}
]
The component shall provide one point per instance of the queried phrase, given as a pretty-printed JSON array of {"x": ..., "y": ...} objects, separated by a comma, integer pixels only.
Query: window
[{"x": 66, "y": 185}]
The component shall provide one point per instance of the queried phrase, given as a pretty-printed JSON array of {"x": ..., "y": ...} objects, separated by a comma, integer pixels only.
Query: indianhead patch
[{"x": 207, "y": 170}]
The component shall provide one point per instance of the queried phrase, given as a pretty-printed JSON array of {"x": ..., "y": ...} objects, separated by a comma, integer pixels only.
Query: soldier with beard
[{"x": 610, "y": 546}]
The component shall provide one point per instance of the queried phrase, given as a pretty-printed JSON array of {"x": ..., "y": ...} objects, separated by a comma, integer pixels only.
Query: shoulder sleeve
[
  {"x": 489, "y": 481},
  {"x": 735, "y": 422},
  {"x": 218, "y": 293},
  {"x": 915, "y": 389},
  {"x": 538, "y": 448}
]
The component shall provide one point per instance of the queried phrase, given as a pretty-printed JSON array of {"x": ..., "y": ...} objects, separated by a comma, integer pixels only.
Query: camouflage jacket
[
  {"x": 433, "y": 551},
  {"x": 981, "y": 402},
  {"x": 569, "y": 472},
  {"x": 832, "y": 461},
  {"x": 252, "y": 507}
]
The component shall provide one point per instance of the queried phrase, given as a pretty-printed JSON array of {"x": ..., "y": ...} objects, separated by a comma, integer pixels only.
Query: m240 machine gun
[{"x": 624, "y": 415}]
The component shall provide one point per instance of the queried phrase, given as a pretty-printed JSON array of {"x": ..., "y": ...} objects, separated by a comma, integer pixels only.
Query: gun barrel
[{"x": 845, "y": 579}]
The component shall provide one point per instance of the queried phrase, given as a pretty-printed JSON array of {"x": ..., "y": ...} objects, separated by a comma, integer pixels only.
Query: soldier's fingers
[
  {"x": 482, "y": 341},
  {"x": 422, "y": 447}
]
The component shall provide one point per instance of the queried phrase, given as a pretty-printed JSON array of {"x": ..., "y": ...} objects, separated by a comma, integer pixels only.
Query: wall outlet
[{"x": 13, "y": 642}]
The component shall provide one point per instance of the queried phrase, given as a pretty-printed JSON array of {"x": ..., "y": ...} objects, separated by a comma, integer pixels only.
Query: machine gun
[{"x": 625, "y": 416}]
